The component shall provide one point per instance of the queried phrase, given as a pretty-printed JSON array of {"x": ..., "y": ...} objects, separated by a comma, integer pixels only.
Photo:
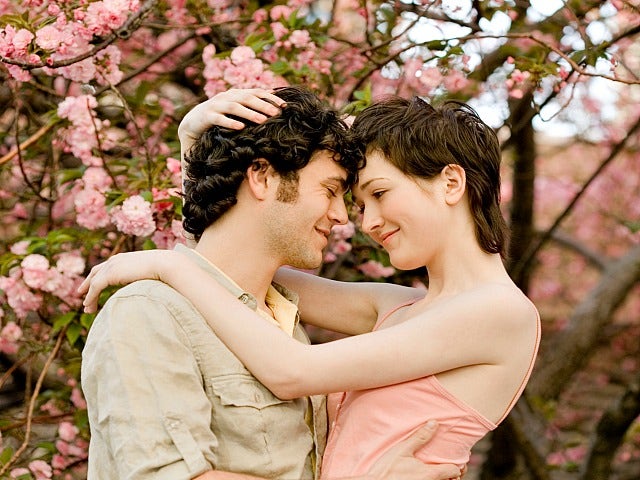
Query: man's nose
[{"x": 338, "y": 212}]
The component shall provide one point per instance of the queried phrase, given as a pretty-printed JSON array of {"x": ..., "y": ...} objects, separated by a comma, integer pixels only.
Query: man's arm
[{"x": 147, "y": 407}]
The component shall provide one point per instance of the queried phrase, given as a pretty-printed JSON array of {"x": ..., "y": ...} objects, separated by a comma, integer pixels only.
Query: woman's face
[{"x": 404, "y": 214}]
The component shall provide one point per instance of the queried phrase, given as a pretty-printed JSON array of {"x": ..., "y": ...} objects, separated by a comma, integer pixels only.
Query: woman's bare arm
[
  {"x": 346, "y": 307},
  {"x": 255, "y": 104},
  {"x": 475, "y": 329}
]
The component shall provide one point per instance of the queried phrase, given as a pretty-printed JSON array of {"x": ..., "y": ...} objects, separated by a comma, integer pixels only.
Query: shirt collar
[{"x": 282, "y": 301}]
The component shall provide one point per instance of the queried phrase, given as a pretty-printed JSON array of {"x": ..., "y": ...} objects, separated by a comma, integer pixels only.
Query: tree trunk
[
  {"x": 571, "y": 348},
  {"x": 609, "y": 433},
  {"x": 524, "y": 172}
]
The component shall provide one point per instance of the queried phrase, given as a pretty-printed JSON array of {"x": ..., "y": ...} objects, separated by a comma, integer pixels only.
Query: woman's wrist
[{"x": 167, "y": 265}]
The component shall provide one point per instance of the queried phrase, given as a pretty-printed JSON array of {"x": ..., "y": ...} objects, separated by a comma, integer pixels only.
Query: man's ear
[
  {"x": 260, "y": 178},
  {"x": 455, "y": 183}
]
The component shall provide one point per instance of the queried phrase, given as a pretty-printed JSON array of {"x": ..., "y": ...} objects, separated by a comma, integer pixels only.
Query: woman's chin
[{"x": 404, "y": 263}]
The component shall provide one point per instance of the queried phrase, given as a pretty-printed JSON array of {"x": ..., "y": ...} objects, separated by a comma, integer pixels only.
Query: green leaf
[
  {"x": 70, "y": 174},
  {"x": 38, "y": 245},
  {"x": 177, "y": 205},
  {"x": 8, "y": 262},
  {"x": 633, "y": 226},
  {"x": 116, "y": 198},
  {"x": 6, "y": 455},
  {"x": 436, "y": 45},
  {"x": 149, "y": 245},
  {"x": 48, "y": 446},
  {"x": 81, "y": 419},
  {"x": 73, "y": 333},
  {"x": 63, "y": 320},
  {"x": 57, "y": 236},
  {"x": 147, "y": 195},
  {"x": 86, "y": 320},
  {"x": 280, "y": 67},
  {"x": 18, "y": 21}
]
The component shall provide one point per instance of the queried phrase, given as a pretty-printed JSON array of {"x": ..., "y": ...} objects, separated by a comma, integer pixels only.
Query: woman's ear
[
  {"x": 260, "y": 178},
  {"x": 456, "y": 183}
]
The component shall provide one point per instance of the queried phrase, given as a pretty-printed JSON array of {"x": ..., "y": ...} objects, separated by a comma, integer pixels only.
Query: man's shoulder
[
  {"x": 146, "y": 288},
  {"x": 149, "y": 304},
  {"x": 149, "y": 292}
]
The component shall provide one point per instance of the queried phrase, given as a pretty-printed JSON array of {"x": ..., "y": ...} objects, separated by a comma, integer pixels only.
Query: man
[{"x": 166, "y": 398}]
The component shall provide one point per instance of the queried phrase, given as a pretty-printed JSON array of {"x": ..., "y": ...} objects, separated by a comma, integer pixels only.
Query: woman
[{"x": 460, "y": 354}]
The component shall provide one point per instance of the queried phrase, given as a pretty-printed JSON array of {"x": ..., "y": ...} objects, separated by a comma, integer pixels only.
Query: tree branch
[
  {"x": 124, "y": 31},
  {"x": 524, "y": 262},
  {"x": 32, "y": 402}
]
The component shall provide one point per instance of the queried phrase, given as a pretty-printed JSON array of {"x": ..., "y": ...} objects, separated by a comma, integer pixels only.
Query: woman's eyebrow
[{"x": 366, "y": 184}]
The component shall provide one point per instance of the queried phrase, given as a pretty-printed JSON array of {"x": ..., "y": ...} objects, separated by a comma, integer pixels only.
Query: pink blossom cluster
[
  {"x": 15, "y": 43},
  {"x": 169, "y": 236},
  {"x": 517, "y": 83},
  {"x": 84, "y": 133},
  {"x": 338, "y": 243},
  {"x": 19, "y": 297},
  {"x": 70, "y": 447},
  {"x": 174, "y": 166},
  {"x": 10, "y": 336},
  {"x": 169, "y": 231},
  {"x": 68, "y": 34},
  {"x": 240, "y": 70},
  {"x": 295, "y": 47},
  {"x": 375, "y": 269},
  {"x": 89, "y": 198},
  {"x": 134, "y": 217},
  {"x": 573, "y": 455},
  {"x": 38, "y": 469},
  {"x": 26, "y": 284},
  {"x": 421, "y": 79}
]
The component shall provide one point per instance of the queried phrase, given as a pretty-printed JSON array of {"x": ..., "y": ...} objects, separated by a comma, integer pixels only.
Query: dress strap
[
  {"x": 525, "y": 379},
  {"x": 384, "y": 317}
]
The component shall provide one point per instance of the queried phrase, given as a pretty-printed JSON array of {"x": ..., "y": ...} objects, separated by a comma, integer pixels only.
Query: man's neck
[{"x": 241, "y": 258}]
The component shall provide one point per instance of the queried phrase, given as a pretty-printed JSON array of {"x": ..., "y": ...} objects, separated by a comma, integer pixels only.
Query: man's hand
[{"x": 399, "y": 462}]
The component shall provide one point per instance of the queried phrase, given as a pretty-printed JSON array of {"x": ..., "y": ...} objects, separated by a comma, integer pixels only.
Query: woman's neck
[{"x": 464, "y": 271}]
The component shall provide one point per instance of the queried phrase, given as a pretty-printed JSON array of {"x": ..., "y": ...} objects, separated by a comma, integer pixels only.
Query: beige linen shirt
[{"x": 167, "y": 400}]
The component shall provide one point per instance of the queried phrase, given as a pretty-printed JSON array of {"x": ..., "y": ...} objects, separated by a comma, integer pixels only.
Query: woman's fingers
[{"x": 254, "y": 105}]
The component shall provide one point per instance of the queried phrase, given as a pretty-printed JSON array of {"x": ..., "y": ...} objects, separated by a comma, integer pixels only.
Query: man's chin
[{"x": 307, "y": 263}]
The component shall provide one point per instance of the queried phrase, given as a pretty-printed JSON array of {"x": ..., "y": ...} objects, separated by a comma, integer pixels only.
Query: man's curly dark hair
[{"x": 216, "y": 164}]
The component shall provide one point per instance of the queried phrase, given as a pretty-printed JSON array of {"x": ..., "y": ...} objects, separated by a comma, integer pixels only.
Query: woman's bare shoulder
[{"x": 507, "y": 306}]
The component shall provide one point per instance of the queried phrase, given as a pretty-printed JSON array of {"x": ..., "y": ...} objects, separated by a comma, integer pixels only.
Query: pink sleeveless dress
[{"x": 366, "y": 423}]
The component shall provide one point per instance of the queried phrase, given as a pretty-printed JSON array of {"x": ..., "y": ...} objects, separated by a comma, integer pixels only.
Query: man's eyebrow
[{"x": 340, "y": 180}]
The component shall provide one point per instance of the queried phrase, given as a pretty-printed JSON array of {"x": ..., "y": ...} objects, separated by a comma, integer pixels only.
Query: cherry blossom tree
[{"x": 92, "y": 92}]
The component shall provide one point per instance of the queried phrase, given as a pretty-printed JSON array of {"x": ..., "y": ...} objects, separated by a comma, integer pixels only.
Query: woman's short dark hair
[
  {"x": 421, "y": 140},
  {"x": 217, "y": 163}
]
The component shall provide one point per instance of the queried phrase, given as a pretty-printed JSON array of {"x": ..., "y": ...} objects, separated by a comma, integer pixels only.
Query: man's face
[{"x": 299, "y": 226}]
